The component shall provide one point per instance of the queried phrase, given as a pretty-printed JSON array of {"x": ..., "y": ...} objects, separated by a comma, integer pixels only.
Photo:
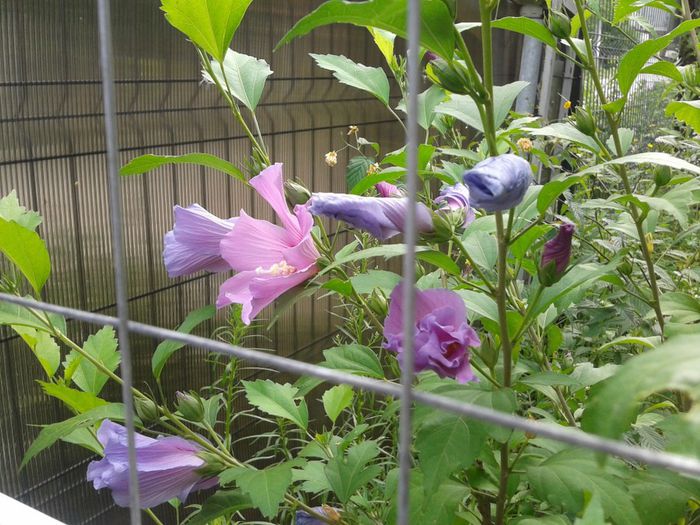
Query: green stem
[
  {"x": 471, "y": 262},
  {"x": 152, "y": 515},
  {"x": 688, "y": 15}
]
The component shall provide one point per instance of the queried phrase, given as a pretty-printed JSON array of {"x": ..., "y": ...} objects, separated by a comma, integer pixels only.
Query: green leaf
[
  {"x": 636, "y": 58},
  {"x": 10, "y": 210},
  {"x": 568, "y": 132},
  {"x": 210, "y": 24},
  {"x": 167, "y": 348},
  {"x": 562, "y": 480},
  {"x": 370, "y": 79},
  {"x": 74, "y": 399},
  {"x": 399, "y": 157},
  {"x": 313, "y": 477},
  {"x": 440, "y": 260},
  {"x": 337, "y": 399},
  {"x": 366, "y": 283},
  {"x": 463, "y": 107},
  {"x": 482, "y": 247},
  {"x": 648, "y": 342},
  {"x": 386, "y": 250},
  {"x": 480, "y": 304},
  {"x": 440, "y": 506},
  {"x": 347, "y": 474},
  {"x": 682, "y": 307},
  {"x": 675, "y": 365},
  {"x": 447, "y": 443},
  {"x": 390, "y": 15},
  {"x": 354, "y": 359},
  {"x": 427, "y": 102},
  {"x": 18, "y": 316},
  {"x": 102, "y": 347},
  {"x": 243, "y": 75},
  {"x": 385, "y": 43},
  {"x": 277, "y": 400},
  {"x": 526, "y": 26},
  {"x": 25, "y": 249},
  {"x": 550, "y": 192},
  {"x": 663, "y": 69},
  {"x": 594, "y": 513},
  {"x": 543, "y": 520},
  {"x": 82, "y": 437},
  {"x": 150, "y": 162},
  {"x": 661, "y": 496},
  {"x": 44, "y": 347},
  {"x": 52, "y": 433},
  {"x": 223, "y": 503},
  {"x": 678, "y": 210},
  {"x": 626, "y": 137},
  {"x": 356, "y": 170},
  {"x": 385, "y": 175},
  {"x": 267, "y": 487},
  {"x": 687, "y": 111}
]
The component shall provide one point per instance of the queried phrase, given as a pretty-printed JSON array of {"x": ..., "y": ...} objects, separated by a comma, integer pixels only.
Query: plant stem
[
  {"x": 688, "y": 15},
  {"x": 471, "y": 262},
  {"x": 153, "y": 517}
]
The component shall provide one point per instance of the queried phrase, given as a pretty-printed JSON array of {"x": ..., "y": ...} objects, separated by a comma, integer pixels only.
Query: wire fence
[{"x": 285, "y": 364}]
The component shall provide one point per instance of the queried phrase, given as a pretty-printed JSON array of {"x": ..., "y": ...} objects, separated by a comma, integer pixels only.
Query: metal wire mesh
[{"x": 27, "y": 151}]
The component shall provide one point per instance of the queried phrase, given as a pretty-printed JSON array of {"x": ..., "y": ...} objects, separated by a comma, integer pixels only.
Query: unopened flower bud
[
  {"x": 146, "y": 409},
  {"x": 450, "y": 76},
  {"x": 442, "y": 227},
  {"x": 331, "y": 158},
  {"x": 649, "y": 240},
  {"x": 455, "y": 206},
  {"x": 662, "y": 176},
  {"x": 525, "y": 144},
  {"x": 584, "y": 121},
  {"x": 296, "y": 193},
  {"x": 559, "y": 24},
  {"x": 190, "y": 406},
  {"x": 556, "y": 255}
]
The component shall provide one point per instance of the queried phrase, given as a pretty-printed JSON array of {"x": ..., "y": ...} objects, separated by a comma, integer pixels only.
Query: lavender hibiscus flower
[
  {"x": 168, "y": 467},
  {"x": 498, "y": 183},
  {"x": 443, "y": 337},
  {"x": 269, "y": 259},
  {"x": 383, "y": 218},
  {"x": 304, "y": 518},
  {"x": 193, "y": 244},
  {"x": 456, "y": 199},
  {"x": 556, "y": 255}
]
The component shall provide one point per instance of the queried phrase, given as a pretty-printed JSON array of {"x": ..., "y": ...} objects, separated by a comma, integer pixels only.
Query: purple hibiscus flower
[
  {"x": 498, "y": 183},
  {"x": 443, "y": 337},
  {"x": 456, "y": 199},
  {"x": 383, "y": 218},
  {"x": 556, "y": 255},
  {"x": 168, "y": 467},
  {"x": 193, "y": 243},
  {"x": 387, "y": 189},
  {"x": 304, "y": 518}
]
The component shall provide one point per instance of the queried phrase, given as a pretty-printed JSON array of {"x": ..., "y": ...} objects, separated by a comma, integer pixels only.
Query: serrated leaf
[
  {"x": 337, "y": 399},
  {"x": 354, "y": 359},
  {"x": 101, "y": 346},
  {"x": 52, "y": 433},
  {"x": 167, "y": 348},
  {"x": 210, "y": 24},
  {"x": 149, "y": 162},
  {"x": 27, "y": 251},
  {"x": 74, "y": 399},
  {"x": 11, "y": 210},
  {"x": 267, "y": 487},
  {"x": 356, "y": 170},
  {"x": 347, "y": 474},
  {"x": 277, "y": 400},
  {"x": 687, "y": 111},
  {"x": 370, "y": 79},
  {"x": 439, "y": 507},
  {"x": 385, "y": 43},
  {"x": 243, "y": 75},
  {"x": 83, "y": 437},
  {"x": 44, "y": 347},
  {"x": 389, "y": 15},
  {"x": 222, "y": 503},
  {"x": 313, "y": 477}
]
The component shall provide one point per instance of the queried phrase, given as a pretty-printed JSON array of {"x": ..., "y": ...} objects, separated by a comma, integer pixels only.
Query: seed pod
[{"x": 559, "y": 24}]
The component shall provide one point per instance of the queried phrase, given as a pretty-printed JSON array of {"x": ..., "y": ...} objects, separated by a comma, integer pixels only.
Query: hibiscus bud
[
  {"x": 190, "y": 406},
  {"x": 430, "y": 56},
  {"x": 525, "y": 144},
  {"x": 443, "y": 227},
  {"x": 331, "y": 158},
  {"x": 296, "y": 193},
  {"x": 146, "y": 409},
  {"x": 584, "y": 121},
  {"x": 556, "y": 255},
  {"x": 559, "y": 24},
  {"x": 498, "y": 183},
  {"x": 450, "y": 76},
  {"x": 662, "y": 176},
  {"x": 625, "y": 267}
]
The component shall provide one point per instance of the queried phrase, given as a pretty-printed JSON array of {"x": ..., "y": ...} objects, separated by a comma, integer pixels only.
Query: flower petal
[
  {"x": 255, "y": 243},
  {"x": 270, "y": 185}
]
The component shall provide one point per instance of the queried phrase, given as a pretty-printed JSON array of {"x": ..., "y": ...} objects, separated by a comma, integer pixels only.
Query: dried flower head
[
  {"x": 525, "y": 144},
  {"x": 331, "y": 158},
  {"x": 373, "y": 168},
  {"x": 353, "y": 130}
]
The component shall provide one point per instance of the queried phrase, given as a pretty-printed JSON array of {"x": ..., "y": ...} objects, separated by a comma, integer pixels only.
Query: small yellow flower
[
  {"x": 649, "y": 238},
  {"x": 331, "y": 158},
  {"x": 567, "y": 104},
  {"x": 650, "y": 146},
  {"x": 525, "y": 144},
  {"x": 373, "y": 168},
  {"x": 353, "y": 130}
]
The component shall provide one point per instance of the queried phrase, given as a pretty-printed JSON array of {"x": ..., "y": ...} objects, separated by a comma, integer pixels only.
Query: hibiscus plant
[{"x": 557, "y": 279}]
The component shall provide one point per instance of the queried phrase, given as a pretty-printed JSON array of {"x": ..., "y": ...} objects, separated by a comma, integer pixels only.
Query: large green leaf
[
  {"x": 210, "y": 24},
  {"x": 479, "y": 304},
  {"x": 662, "y": 496},
  {"x": 682, "y": 308},
  {"x": 370, "y": 79},
  {"x": 651, "y": 157},
  {"x": 266, "y": 488},
  {"x": 102, "y": 347},
  {"x": 75, "y": 399},
  {"x": 168, "y": 347},
  {"x": 565, "y": 131},
  {"x": 354, "y": 359},
  {"x": 11, "y": 210},
  {"x": 244, "y": 76},
  {"x": 18, "y": 316},
  {"x": 223, "y": 503},
  {"x": 447, "y": 443},
  {"x": 383, "y": 280},
  {"x": 347, "y": 474},
  {"x": 427, "y": 102},
  {"x": 562, "y": 480},
  {"x": 551, "y": 191},
  {"x": 52, "y": 433},
  {"x": 337, "y": 399},
  {"x": 356, "y": 170},
  {"x": 526, "y": 26},
  {"x": 675, "y": 365},
  {"x": 25, "y": 249},
  {"x": 277, "y": 400},
  {"x": 390, "y": 15},
  {"x": 687, "y": 111},
  {"x": 150, "y": 162}
]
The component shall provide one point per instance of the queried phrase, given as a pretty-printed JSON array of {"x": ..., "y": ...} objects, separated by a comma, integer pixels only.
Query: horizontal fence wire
[{"x": 568, "y": 435}]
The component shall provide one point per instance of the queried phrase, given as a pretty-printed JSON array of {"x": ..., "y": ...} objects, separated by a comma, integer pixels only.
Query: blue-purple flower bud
[
  {"x": 498, "y": 183},
  {"x": 556, "y": 255}
]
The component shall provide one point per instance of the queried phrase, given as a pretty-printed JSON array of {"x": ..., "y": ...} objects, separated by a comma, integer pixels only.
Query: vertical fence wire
[
  {"x": 409, "y": 267},
  {"x": 118, "y": 260}
]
